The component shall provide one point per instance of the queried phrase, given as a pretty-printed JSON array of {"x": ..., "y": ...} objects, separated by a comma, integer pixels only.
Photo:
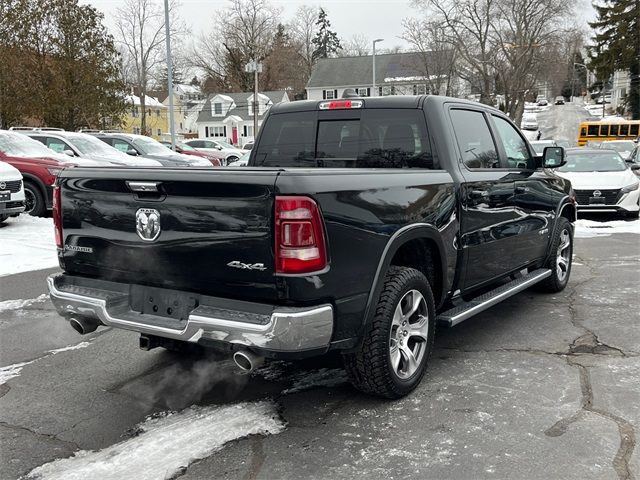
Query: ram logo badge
[
  {"x": 246, "y": 266},
  {"x": 148, "y": 224}
]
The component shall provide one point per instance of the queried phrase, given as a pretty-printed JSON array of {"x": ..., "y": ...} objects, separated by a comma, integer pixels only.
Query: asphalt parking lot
[{"x": 541, "y": 386}]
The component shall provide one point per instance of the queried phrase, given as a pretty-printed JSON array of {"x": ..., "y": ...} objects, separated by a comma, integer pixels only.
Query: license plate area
[
  {"x": 5, "y": 196},
  {"x": 596, "y": 200},
  {"x": 162, "y": 302}
]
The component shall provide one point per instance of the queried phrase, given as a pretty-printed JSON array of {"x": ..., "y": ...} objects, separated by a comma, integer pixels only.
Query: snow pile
[
  {"x": 28, "y": 243},
  {"x": 8, "y": 305},
  {"x": 167, "y": 443},
  {"x": 590, "y": 228}
]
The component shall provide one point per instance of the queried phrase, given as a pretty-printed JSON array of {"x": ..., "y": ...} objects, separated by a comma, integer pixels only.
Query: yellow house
[{"x": 157, "y": 117}]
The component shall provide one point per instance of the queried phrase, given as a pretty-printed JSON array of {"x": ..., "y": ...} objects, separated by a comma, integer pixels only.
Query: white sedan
[
  {"x": 11, "y": 191},
  {"x": 602, "y": 181}
]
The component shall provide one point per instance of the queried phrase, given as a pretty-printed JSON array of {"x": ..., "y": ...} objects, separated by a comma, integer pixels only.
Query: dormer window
[{"x": 217, "y": 109}]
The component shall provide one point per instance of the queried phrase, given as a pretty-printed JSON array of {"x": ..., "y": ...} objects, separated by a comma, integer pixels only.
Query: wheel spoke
[
  {"x": 563, "y": 263},
  {"x": 416, "y": 300},
  {"x": 395, "y": 359},
  {"x": 420, "y": 329},
  {"x": 411, "y": 364},
  {"x": 398, "y": 316},
  {"x": 564, "y": 242}
]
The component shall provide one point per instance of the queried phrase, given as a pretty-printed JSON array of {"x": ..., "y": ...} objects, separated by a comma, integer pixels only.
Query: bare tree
[
  {"x": 303, "y": 30},
  {"x": 141, "y": 33},
  {"x": 244, "y": 31},
  {"x": 357, "y": 45},
  {"x": 438, "y": 58}
]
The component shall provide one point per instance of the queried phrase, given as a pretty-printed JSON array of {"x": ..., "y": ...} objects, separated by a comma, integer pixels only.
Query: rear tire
[
  {"x": 3, "y": 218},
  {"x": 396, "y": 348},
  {"x": 34, "y": 200},
  {"x": 560, "y": 258},
  {"x": 230, "y": 159}
]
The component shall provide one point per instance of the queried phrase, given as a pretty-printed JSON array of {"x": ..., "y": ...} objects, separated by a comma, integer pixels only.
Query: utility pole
[
  {"x": 373, "y": 89},
  {"x": 167, "y": 30},
  {"x": 255, "y": 67}
]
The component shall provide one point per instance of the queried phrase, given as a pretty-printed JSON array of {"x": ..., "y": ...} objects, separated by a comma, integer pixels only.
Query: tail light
[
  {"x": 340, "y": 104},
  {"x": 300, "y": 242},
  {"x": 57, "y": 215}
]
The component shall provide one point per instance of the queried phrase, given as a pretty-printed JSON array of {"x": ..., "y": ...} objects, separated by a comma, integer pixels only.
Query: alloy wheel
[
  {"x": 409, "y": 333},
  {"x": 562, "y": 258}
]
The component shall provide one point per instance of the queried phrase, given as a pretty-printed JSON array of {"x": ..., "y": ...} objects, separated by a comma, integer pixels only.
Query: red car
[
  {"x": 39, "y": 167},
  {"x": 182, "y": 147}
]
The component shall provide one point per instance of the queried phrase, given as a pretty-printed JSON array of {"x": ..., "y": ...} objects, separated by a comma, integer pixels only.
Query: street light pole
[
  {"x": 167, "y": 29},
  {"x": 373, "y": 93}
]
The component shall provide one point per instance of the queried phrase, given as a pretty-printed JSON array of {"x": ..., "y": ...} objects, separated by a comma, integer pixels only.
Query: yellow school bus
[{"x": 602, "y": 130}]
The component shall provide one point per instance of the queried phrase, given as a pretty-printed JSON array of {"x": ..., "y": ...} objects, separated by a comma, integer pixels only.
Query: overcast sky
[{"x": 372, "y": 18}]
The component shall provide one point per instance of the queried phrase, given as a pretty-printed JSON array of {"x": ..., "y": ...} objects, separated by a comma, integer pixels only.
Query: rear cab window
[{"x": 350, "y": 138}]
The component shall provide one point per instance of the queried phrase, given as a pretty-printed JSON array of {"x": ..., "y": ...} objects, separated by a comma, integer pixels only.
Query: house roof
[
  {"x": 149, "y": 101},
  {"x": 241, "y": 101},
  {"x": 390, "y": 68}
]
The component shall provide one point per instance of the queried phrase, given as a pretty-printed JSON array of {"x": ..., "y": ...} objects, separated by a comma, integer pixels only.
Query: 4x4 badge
[
  {"x": 247, "y": 266},
  {"x": 148, "y": 224}
]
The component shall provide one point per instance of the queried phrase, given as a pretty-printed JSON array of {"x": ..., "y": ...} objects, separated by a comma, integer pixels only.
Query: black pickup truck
[{"x": 358, "y": 224}]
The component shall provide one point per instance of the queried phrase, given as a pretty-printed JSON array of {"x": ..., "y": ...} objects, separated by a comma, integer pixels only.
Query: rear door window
[
  {"x": 57, "y": 145},
  {"x": 367, "y": 138},
  {"x": 121, "y": 145},
  {"x": 474, "y": 139}
]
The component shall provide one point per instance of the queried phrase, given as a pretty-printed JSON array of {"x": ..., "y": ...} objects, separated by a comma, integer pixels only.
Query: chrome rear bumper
[{"x": 267, "y": 327}]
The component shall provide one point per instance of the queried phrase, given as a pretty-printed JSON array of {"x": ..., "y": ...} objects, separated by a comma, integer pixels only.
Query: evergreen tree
[
  {"x": 326, "y": 41},
  {"x": 617, "y": 45}
]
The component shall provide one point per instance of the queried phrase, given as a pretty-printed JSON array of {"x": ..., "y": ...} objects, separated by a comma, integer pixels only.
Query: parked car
[
  {"x": 540, "y": 145},
  {"x": 231, "y": 153},
  {"x": 529, "y": 121},
  {"x": 602, "y": 181},
  {"x": 83, "y": 145},
  {"x": 623, "y": 147},
  {"x": 11, "y": 191},
  {"x": 542, "y": 101},
  {"x": 39, "y": 167},
  {"x": 185, "y": 149},
  {"x": 559, "y": 100},
  {"x": 243, "y": 161},
  {"x": 359, "y": 252},
  {"x": 248, "y": 146},
  {"x": 141, "y": 146}
]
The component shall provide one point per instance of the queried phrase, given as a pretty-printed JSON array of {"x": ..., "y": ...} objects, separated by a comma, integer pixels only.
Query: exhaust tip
[
  {"x": 247, "y": 360},
  {"x": 83, "y": 326}
]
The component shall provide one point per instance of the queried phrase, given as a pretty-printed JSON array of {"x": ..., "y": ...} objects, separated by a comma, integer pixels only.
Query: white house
[
  {"x": 229, "y": 116},
  {"x": 187, "y": 102},
  {"x": 410, "y": 73},
  {"x": 619, "y": 88}
]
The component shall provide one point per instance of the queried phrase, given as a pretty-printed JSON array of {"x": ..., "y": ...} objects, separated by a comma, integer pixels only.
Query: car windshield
[
  {"x": 149, "y": 146},
  {"x": 185, "y": 147},
  {"x": 90, "y": 145},
  {"x": 19, "y": 145},
  {"x": 224, "y": 144},
  {"x": 618, "y": 146},
  {"x": 529, "y": 118},
  {"x": 605, "y": 161}
]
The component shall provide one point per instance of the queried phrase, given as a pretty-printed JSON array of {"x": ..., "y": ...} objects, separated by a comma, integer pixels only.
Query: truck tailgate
[{"x": 202, "y": 231}]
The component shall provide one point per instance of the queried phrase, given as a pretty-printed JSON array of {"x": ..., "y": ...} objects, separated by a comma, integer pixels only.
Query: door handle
[{"x": 521, "y": 189}]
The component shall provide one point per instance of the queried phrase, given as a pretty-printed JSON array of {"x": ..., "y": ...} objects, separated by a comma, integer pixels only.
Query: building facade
[
  {"x": 229, "y": 116},
  {"x": 156, "y": 116}
]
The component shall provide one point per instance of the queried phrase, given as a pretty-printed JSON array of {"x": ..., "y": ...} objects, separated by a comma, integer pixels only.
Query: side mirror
[
  {"x": 132, "y": 152},
  {"x": 635, "y": 166},
  {"x": 69, "y": 153},
  {"x": 218, "y": 147},
  {"x": 553, "y": 157}
]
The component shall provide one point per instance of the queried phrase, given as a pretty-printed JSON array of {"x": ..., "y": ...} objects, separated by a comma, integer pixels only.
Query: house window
[
  {"x": 135, "y": 112},
  {"x": 247, "y": 131},
  {"x": 419, "y": 89},
  {"x": 363, "y": 92},
  {"x": 157, "y": 113},
  {"x": 136, "y": 130},
  {"x": 217, "y": 108},
  {"x": 216, "y": 132},
  {"x": 329, "y": 94},
  {"x": 159, "y": 132}
]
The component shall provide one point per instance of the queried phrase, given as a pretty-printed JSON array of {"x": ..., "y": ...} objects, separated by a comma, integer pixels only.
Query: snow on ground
[
  {"x": 27, "y": 243},
  {"x": 8, "y": 305},
  {"x": 590, "y": 228},
  {"x": 167, "y": 443},
  {"x": 13, "y": 371}
]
